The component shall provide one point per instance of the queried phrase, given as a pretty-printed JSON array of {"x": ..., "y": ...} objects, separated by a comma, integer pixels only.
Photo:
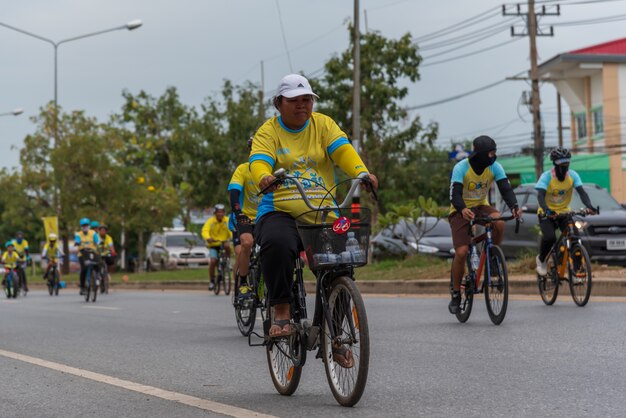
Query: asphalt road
[{"x": 542, "y": 361}]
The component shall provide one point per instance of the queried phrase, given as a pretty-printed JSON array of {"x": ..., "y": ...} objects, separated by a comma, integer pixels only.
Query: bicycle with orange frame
[{"x": 568, "y": 260}]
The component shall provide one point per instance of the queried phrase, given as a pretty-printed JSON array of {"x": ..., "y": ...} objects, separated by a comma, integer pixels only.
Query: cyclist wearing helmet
[
  {"x": 470, "y": 183},
  {"x": 51, "y": 252},
  {"x": 243, "y": 202},
  {"x": 95, "y": 226},
  {"x": 215, "y": 232},
  {"x": 10, "y": 258},
  {"x": 21, "y": 247},
  {"x": 106, "y": 247},
  {"x": 86, "y": 240},
  {"x": 554, "y": 193},
  {"x": 306, "y": 144}
]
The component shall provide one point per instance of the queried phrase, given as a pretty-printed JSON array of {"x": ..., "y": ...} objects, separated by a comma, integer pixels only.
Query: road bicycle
[
  {"x": 105, "y": 276},
  {"x": 492, "y": 263},
  {"x": 246, "y": 309},
  {"x": 339, "y": 327},
  {"x": 224, "y": 272},
  {"x": 92, "y": 276},
  {"x": 11, "y": 283},
  {"x": 567, "y": 260},
  {"x": 21, "y": 275},
  {"x": 53, "y": 279}
]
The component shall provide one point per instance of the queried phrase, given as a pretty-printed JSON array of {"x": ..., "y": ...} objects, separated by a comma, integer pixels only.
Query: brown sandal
[
  {"x": 281, "y": 324},
  {"x": 343, "y": 357}
]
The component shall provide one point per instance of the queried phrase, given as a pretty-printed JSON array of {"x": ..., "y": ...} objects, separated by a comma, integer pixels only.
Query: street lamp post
[
  {"x": 14, "y": 112},
  {"x": 132, "y": 25}
]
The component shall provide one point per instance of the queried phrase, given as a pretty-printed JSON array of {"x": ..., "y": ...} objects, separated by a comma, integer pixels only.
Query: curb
[{"x": 521, "y": 286}]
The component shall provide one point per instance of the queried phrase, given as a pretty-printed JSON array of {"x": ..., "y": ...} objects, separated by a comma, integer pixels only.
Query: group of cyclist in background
[{"x": 91, "y": 237}]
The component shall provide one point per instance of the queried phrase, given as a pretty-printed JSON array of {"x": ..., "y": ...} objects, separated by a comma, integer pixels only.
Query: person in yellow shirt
[
  {"x": 11, "y": 259},
  {"x": 215, "y": 233},
  {"x": 106, "y": 246},
  {"x": 86, "y": 240},
  {"x": 308, "y": 145},
  {"x": 21, "y": 247},
  {"x": 51, "y": 252}
]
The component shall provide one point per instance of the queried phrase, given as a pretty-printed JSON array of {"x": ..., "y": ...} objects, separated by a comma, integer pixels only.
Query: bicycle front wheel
[
  {"x": 580, "y": 275},
  {"x": 228, "y": 281},
  {"x": 467, "y": 297},
  {"x": 549, "y": 284},
  {"x": 218, "y": 283},
  {"x": 350, "y": 344},
  {"x": 94, "y": 286},
  {"x": 496, "y": 286}
]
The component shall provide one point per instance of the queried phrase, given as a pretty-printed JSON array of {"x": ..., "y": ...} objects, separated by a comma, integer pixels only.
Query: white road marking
[
  {"x": 204, "y": 404},
  {"x": 109, "y": 308}
]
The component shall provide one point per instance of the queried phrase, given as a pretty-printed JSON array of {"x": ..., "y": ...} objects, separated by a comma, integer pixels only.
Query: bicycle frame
[
  {"x": 569, "y": 234},
  {"x": 485, "y": 237}
]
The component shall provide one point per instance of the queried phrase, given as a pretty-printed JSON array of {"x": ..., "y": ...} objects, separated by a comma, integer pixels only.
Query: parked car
[
  {"x": 172, "y": 249},
  {"x": 400, "y": 239},
  {"x": 603, "y": 235}
]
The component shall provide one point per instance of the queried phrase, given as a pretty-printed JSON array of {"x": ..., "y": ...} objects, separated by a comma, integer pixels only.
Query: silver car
[{"x": 173, "y": 249}]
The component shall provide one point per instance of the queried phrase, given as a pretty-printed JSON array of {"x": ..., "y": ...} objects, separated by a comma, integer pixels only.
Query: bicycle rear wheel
[
  {"x": 348, "y": 320},
  {"x": 87, "y": 286},
  {"x": 94, "y": 286},
  {"x": 218, "y": 283},
  {"x": 228, "y": 280},
  {"x": 549, "y": 284},
  {"x": 496, "y": 287},
  {"x": 579, "y": 275},
  {"x": 245, "y": 310},
  {"x": 50, "y": 286},
  {"x": 285, "y": 357}
]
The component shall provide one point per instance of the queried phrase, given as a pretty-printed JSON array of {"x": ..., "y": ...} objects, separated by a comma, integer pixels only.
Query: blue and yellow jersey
[
  {"x": 52, "y": 253},
  {"x": 11, "y": 260},
  {"x": 309, "y": 153},
  {"x": 90, "y": 240},
  {"x": 475, "y": 187},
  {"x": 21, "y": 248},
  {"x": 558, "y": 193},
  {"x": 105, "y": 246},
  {"x": 217, "y": 230},
  {"x": 248, "y": 199}
]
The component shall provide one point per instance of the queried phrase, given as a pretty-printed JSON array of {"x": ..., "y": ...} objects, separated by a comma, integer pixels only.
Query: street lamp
[
  {"x": 132, "y": 25},
  {"x": 14, "y": 112}
]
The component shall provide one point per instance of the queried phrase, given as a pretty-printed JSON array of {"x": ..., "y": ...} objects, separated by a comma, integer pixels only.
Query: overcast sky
[{"x": 195, "y": 44}]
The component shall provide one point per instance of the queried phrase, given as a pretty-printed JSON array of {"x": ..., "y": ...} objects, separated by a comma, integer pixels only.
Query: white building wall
[{"x": 596, "y": 90}]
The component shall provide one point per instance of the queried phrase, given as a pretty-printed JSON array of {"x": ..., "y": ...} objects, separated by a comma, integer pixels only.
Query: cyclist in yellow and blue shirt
[
  {"x": 244, "y": 201},
  {"x": 215, "y": 232},
  {"x": 554, "y": 194},
  {"x": 21, "y": 247},
  {"x": 307, "y": 145},
  {"x": 106, "y": 248},
  {"x": 51, "y": 252},
  {"x": 86, "y": 240},
  {"x": 11, "y": 258},
  {"x": 469, "y": 187}
]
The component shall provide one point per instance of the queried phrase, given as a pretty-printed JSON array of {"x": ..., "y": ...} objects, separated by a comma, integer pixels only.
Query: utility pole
[
  {"x": 560, "y": 118},
  {"x": 261, "y": 104},
  {"x": 532, "y": 31},
  {"x": 356, "y": 96}
]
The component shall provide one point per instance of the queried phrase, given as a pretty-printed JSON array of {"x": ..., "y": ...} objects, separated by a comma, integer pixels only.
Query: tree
[{"x": 397, "y": 148}]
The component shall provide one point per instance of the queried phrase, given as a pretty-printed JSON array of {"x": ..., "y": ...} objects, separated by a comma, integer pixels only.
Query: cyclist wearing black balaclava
[
  {"x": 554, "y": 193},
  {"x": 469, "y": 187}
]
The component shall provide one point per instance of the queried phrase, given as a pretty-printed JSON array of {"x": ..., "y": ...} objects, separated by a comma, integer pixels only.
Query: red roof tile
[{"x": 616, "y": 47}]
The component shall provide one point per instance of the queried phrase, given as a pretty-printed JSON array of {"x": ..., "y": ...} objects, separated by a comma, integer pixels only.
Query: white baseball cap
[{"x": 294, "y": 85}]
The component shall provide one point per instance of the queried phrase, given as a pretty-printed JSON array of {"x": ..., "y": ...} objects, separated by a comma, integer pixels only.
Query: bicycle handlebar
[
  {"x": 489, "y": 219},
  {"x": 281, "y": 175},
  {"x": 581, "y": 212}
]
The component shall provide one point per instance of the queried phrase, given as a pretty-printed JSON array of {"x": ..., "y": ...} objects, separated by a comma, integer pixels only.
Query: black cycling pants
[
  {"x": 280, "y": 243},
  {"x": 548, "y": 231},
  {"x": 83, "y": 270}
]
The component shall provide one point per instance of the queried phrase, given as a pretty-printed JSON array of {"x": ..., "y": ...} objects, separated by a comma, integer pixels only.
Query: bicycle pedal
[{"x": 257, "y": 344}]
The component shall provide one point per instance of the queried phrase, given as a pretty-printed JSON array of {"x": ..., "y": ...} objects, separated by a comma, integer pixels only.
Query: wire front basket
[{"x": 335, "y": 237}]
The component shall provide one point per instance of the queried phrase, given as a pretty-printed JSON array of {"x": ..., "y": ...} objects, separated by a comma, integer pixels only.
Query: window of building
[
  {"x": 581, "y": 125},
  {"x": 597, "y": 115}
]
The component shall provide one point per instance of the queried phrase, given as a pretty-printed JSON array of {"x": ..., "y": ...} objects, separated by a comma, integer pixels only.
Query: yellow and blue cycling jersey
[
  {"x": 475, "y": 186},
  {"x": 89, "y": 240},
  {"x": 217, "y": 230},
  {"x": 20, "y": 247},
  {"x": 248, "y": 197},
  {"x": 558, "y": 193},
  {"x": 11, "y": 260},
  {"x": 310, "y": 154},
  {"x": 105, "y": 247},
  {"x": 52, "y": 253}
]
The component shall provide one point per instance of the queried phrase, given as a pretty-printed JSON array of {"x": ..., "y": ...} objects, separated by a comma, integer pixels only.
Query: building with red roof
[{"x": 592, "y": 80}]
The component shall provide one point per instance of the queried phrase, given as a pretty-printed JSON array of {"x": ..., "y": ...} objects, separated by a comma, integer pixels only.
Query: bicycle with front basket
[
  {"x": 339, "y": 327},
  {"x": 567, "y": 260},
  {"x": 495, "y": 285}
]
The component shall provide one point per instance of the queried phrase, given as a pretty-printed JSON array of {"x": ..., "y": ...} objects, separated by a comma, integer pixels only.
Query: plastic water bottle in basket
[{"x": 353, "y": 252}]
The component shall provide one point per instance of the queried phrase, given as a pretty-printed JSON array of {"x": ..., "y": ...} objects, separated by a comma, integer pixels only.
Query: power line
[
  {"x": 282, "y": 30},
  {"x": 605, "y": 19},
  {"x": 459, "y": 96},
  {"x": 481, "y": 17},
  {"x": 469, "y": 54},
  {"x": 482, "y": 33}
]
